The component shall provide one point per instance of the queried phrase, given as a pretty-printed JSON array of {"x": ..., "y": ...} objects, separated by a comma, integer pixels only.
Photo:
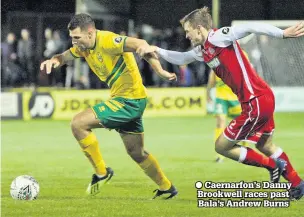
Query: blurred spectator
[
  {"x": 8, "y": 56},
  {"x": 9, "y": 49},
  {"x": 60, "y": 46},
  {"x": 50, "y": 47},
  {"x": 11, "y": 71},
  {"x": 25, "y": 52},
  {"x": 186, "y": 76},
  {"x": 60, "y": 42},
  {"x": 43, "y": 78},
  {"x": 55, "y": 43},
  {"x": 200, "y": 73}
]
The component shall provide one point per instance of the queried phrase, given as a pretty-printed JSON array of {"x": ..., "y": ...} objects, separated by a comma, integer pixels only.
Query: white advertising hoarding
[
  {"x": 10, "y": 105},
  {"x": 289, "y": 99}
]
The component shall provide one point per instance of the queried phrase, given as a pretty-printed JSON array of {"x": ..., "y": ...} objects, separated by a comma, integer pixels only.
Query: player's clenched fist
[{"x": 49, "y": 64}]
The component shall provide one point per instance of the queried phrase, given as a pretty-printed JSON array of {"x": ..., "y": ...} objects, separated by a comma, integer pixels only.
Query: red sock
[
  {"x": 290, "y": 174},
  {"x": 255, "y": 159}
]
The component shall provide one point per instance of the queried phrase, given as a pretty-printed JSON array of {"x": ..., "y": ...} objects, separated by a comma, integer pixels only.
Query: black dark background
[{"x": 166, "y": 13}]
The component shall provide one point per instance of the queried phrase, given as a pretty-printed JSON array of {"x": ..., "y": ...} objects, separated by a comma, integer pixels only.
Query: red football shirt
[{"x": 229, "y": 63}]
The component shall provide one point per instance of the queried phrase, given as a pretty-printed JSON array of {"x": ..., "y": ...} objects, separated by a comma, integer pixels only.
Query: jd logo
[{"x": 41, "y": 105}]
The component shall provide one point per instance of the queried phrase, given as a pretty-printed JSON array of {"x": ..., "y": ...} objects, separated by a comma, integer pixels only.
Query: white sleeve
[
  {"x": 226, "y": 35},
  {"x": 181, "y": 58}
]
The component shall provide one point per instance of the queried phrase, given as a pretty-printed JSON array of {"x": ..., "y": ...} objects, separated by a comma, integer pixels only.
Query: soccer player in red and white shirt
[{"x": 220, "y": 50}]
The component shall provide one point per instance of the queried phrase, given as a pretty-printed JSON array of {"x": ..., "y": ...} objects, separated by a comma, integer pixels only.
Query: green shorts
[
  {"x": 230, "y": 108},
  {"x": 121, "y": 114}
]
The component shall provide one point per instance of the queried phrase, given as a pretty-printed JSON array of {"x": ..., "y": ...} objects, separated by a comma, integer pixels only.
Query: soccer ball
[{"x": 24, "y": 188}]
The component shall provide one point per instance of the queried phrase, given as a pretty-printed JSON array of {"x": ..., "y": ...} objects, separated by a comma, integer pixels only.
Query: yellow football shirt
[{"x": 113, "y": 66}]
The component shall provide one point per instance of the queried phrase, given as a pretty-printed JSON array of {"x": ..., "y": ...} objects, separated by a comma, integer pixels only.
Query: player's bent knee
[
  {"x": 77, "y": 123},
  {"x": 222, "y": 145},
  {"x": 268, "y": 149},
  {"x": 265, "y": 145},
  {"x": 74, "y": 123},
  {"x": 136, "y": 155},
  {"x": 219, "y": 148}
]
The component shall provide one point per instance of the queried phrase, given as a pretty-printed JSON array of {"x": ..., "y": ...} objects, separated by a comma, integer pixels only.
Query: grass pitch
[{"x": 184, "y": 148}]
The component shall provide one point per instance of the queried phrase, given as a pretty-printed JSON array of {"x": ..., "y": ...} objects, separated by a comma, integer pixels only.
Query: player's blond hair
[{"x": 197, "y": 17}]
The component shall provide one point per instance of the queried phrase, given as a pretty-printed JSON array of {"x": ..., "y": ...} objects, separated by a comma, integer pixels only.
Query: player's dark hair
[
  {"x": 81, "y": 20},
  {"x": 198, "y": 17}
]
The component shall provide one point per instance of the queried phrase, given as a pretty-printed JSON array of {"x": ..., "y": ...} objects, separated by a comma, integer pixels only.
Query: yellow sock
[
  {"x": 153, "y": 170},
  {"x": 217, "y": 133},
  {"x": 90, "y": 148}
]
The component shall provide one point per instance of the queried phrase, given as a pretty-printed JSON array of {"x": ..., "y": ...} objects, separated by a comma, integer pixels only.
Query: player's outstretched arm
[
  {"x": 132, "y": 44},
  {"x": 156, "y": 66},
  {"x": 226, "y": 35},
  {"x": 240, "y": 31},
  {"x": 56, "y": 61},
  {"x": 174, "y": 57},
  {"x": 180, "y": 58}
]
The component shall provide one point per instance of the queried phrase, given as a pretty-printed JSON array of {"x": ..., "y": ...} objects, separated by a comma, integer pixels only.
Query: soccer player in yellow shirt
[{"x": 110, "y": 58}]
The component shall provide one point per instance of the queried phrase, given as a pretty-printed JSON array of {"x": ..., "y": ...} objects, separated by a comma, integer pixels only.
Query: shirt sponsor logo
[{"x": 214, "y": 63}]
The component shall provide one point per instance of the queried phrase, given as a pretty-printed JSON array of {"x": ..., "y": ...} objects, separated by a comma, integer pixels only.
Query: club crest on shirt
[
  {"x": 99, "y": 57},
  {"x": 117, "y": 40}
]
